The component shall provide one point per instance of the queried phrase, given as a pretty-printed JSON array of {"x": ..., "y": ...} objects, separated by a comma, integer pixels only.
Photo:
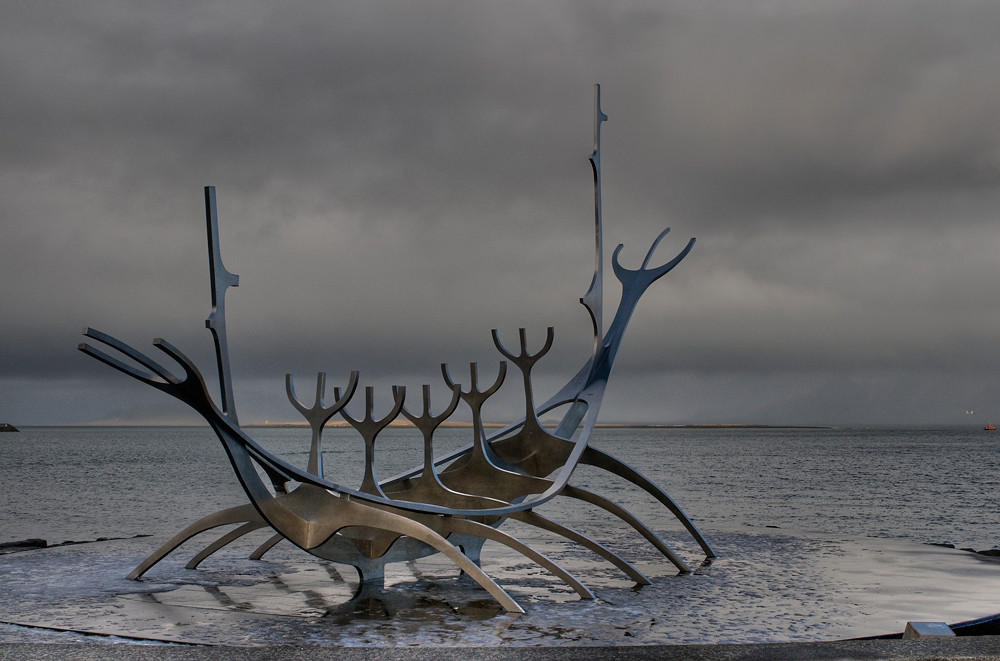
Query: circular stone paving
[{"x": 766, "y": 586}]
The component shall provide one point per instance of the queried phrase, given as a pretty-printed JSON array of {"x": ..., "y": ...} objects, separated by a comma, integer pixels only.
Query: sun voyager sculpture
[{"x": 450, "y": 504}]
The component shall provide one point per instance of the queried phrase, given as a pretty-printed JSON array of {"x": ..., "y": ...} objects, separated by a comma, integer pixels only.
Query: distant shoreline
[
  {"x": 497, "y": 425},
  {"x": 490, "y": 425}
]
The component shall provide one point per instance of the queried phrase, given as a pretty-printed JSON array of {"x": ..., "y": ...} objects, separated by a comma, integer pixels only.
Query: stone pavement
[
  {"x": 784, "y": 594},
  {"x": 983, "y": 648}
]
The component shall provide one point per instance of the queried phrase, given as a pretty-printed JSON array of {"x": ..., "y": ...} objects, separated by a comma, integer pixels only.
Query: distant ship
[
  {"x": 989, "y": 427},
  {"x": 6, "y": 426}
]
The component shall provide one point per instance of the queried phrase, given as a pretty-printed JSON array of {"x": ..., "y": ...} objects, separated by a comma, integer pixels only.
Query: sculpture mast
[
  {"x": 222, "y": 279},
  {"x": 593, "y": 300}
]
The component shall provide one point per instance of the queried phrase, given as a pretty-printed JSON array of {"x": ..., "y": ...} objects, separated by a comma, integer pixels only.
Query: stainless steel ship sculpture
[{"x": 450, "y": 504}]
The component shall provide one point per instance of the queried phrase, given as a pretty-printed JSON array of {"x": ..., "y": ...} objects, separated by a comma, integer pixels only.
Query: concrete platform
[
  {"x": 967, "y": 649},
  {"x": 767, "y": 587}
]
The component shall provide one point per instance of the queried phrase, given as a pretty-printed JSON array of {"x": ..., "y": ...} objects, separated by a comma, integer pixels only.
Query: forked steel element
[
  {"x": 427, "y": 487},
  {"x": 450, "y": 504},
  {"x": 533, "y": 450},
  {"x": 478, "y": 472},
  {"x": 532, "y": 454},
  {"x": 308, "y": 516},
  {"x": 318, "y": 414},
  {"x": 370, "y": 428},
  {"x": 466, "y": 534},
  {"x": 311, "y": 514}
]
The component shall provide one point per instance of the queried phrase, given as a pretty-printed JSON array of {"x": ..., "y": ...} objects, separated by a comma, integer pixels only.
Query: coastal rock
[
  {"x": 25, "y": 543},
  {"x": 6, "y": 426}
]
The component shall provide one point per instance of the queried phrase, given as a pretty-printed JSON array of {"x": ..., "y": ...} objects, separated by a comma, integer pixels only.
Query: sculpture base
[{"x": 767, "y": 586}]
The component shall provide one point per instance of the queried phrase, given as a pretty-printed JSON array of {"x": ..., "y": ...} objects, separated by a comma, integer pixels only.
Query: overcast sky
[{"x": 397, "y": 178}]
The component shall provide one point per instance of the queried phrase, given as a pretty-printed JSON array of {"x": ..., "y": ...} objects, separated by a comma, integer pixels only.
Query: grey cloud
[{"x": 394, "y": 180}]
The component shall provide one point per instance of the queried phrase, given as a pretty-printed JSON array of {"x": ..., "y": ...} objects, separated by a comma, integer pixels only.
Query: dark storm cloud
[{"x": 396, "y": 179}]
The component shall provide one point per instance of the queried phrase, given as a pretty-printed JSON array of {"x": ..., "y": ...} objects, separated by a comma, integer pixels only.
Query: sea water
[{"x": 938, "y": 485}]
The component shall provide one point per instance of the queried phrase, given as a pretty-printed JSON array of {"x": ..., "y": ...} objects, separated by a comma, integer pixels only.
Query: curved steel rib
[
  {"x": 547, "y": 524},
  {"x": 629, "y": 518},
  {"x": 428, "y": 488},
  {"x": 192, "y": 387},
  {"x": 239, "y": 514},
  {"x": 225, "y": 540},
  {"x": 605, "y": 461},
  {"x": 513, "y": 445},
  {"x": 308, "y": 516},
  {"x": 317, "y": 415},
  {"x": 502, "y": 475},
  {"x": 468, "y": 527},
  {"x": 266, "y": 546},
  {"x": 280, "y": 472}
]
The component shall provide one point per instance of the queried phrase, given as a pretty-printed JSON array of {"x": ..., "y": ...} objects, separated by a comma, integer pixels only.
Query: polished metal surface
[
  {"x": 593, "y": 300},
  {"x": 318, "y": 415},
  {"x": 222, "y": 279},
  {"x": 450, "y": 504},
  {"x": 370, "y": 428}
]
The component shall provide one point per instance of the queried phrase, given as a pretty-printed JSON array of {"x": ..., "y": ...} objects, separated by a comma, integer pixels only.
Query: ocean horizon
[{"x": 936, "y": 485}]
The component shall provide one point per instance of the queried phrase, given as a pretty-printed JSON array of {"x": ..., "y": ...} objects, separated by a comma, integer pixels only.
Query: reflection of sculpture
[{"x": 450, "y": 504}]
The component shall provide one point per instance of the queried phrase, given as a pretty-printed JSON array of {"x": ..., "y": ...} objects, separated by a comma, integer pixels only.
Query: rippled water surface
[{"x": 922, "y": 485}]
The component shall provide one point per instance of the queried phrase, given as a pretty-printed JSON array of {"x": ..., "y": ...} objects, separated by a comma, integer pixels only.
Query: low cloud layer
[{"x": 395, "y": 180}]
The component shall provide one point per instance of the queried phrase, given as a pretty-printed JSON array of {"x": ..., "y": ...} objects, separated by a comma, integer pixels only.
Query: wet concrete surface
[
  {"x": 968, "y": 649},
  {"x": 767, "y": 587}
]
